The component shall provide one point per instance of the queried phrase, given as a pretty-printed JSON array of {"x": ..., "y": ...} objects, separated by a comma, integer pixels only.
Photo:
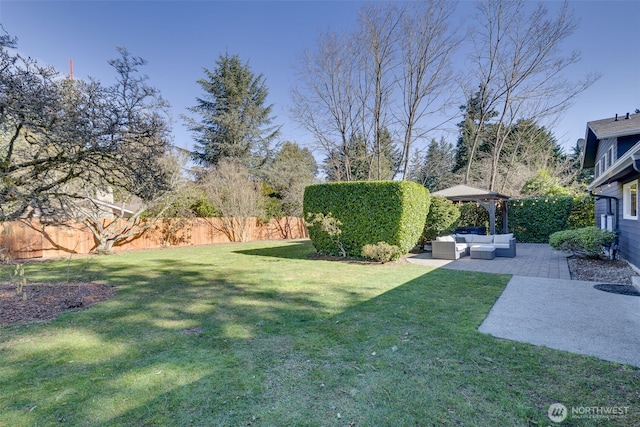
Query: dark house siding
[
  {"x": 629, "y": 236},
  {"x": 607, "y": 206},
  {"x": 603, "y": 147},
  {"x": 629, "y": 230},
  {"x": 605, "y": 152},
  {"x": 602, "y": 150},
  {"x": 626, "y": 142}
]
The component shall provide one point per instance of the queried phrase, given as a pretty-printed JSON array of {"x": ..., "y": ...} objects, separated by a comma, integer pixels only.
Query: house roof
[
  {"x": 626, "y": 165},
  {"x": 115, "y": 208},
  {"x": 464, "y": 193},
  {"x": 613, "y": 127}
]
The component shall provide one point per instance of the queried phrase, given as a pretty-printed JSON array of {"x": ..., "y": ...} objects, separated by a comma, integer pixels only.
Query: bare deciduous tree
[
  {"x": 110, "y": 226},
  {"x": 518, "y": 64},
  {"x": 59, "y": 136},
  {"x": 327, "y": 103},
  {"x": 236, "y": 195},
  {"x": 427, "y": 45},
  {"x": 398, "y": 58},
  {"x": 377, "y": 43}
]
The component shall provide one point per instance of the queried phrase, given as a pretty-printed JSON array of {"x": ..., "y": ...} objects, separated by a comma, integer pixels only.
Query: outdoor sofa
[{"x": 456, "y": 246}]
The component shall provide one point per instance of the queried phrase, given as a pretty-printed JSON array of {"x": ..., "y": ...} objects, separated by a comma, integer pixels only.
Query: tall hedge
[
  {"x": 534, "y": 219},
  {"x": 369, "y": 212},
  {"x": 582, "y": 212},
  {"x": 442, "y": 216}
]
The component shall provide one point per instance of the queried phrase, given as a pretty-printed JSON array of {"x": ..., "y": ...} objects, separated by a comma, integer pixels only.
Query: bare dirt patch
[
  {"x": 46, "y": 301},
  {"x": 599, "y": 270}
]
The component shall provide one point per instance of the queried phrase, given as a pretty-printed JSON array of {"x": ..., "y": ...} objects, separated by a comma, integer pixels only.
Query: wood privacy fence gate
[{"x": 33, "y": 239}]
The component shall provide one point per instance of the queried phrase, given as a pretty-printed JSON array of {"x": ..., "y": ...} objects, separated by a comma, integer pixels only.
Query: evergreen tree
[
  {"x": 473, "y": 111},
  {"x": 358, "y": 160},
  {"x": 434, "y": 169},
  {"x": 582, "y": 176},
  {"x": 234, "y": 121},
  {"x": 286, "y": 176}
]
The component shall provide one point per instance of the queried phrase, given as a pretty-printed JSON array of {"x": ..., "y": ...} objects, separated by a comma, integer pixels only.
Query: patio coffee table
[{"x": 483, "y": 252}]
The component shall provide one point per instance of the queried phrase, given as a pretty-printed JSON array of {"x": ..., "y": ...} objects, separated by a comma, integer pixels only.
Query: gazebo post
[
  {"x": 491, "y": 208},
  {"x": 505, "y": 217}
]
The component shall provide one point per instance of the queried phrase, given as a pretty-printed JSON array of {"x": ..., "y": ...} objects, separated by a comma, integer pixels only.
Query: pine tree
[
  {"x": 433, "y": 169},
  {"x": 234, "y": 121},
  {"x": 358, "y": 160}
]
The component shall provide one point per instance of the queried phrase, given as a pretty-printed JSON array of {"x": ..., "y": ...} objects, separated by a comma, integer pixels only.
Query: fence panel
[{"x": 32, "y": 239}]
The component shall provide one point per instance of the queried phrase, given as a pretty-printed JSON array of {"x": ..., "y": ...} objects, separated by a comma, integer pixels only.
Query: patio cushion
[
  {"x": 445, "y": 239},
  {"x": 460, "y": 238},
  {"x": 500, "y": 245},
  {"x": 502, "y": 238},
  {"x": 481, "y": 239}
]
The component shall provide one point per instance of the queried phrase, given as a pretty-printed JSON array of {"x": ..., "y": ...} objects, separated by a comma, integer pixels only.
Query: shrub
[
  {"x": 588, "y": 242},
  {"x": 534, "y": 219},
  {"x": 373, "y": 211},
  {"x": 545, "y": 185},
  {"x": 203, "y": 208},
  {"x": 381, "y": 252},
  {"x": 582, "y": 212},
  {"x": 443, "y": 214},
  {"x": 329, "y": 226}
]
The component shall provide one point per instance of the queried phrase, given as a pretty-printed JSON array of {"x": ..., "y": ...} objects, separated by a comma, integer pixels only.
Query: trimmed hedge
[
  {"x": 582, "y": 212},
  {"x": 534, "y": 219},
  {"x": 443, "y": 215},
  {"x": 472, "y": 214},
  {"x": 369, "y": 212}
]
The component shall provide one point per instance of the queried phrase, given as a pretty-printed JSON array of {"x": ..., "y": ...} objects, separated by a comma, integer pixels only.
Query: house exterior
[{"x": 612, "y": 149}]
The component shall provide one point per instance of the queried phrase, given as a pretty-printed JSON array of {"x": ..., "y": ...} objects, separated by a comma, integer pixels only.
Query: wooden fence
[{"x": 33, "y": 239}]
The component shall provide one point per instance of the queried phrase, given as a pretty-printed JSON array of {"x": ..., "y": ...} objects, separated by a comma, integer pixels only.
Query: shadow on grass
[
  {"x": 201, "y": 344},
  {"x": 294, "y": 250}
]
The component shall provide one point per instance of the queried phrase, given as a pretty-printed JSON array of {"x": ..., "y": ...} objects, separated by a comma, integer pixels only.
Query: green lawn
[{"x": 259, "y": 335}]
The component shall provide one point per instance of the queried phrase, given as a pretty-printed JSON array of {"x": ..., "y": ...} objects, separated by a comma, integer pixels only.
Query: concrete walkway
[
  {"x": 568, "y": 315},
  {"x": 542, "y": 306}
]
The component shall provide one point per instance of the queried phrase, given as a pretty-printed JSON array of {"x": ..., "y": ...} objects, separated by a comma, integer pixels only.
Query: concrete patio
[
  {"x": 532, "y": 260},
  {"x": 541, "y": 305}
]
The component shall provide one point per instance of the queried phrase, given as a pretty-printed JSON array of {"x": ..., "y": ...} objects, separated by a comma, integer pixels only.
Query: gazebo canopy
[{"x": 485, "y": 198}]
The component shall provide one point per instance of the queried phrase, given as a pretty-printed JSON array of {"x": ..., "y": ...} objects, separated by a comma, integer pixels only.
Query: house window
[
  {"x": 596, "y": 170},
  {"x": 606, "y": 161},
  {"x": 612, "y": 159},
  {"x": 630, "y": 200}
]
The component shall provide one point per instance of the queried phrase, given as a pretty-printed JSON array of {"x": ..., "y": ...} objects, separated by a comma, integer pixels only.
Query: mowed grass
[{"x": 260, "y": 335}]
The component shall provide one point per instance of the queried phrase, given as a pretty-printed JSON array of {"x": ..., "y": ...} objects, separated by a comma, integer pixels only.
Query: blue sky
[{"x": 178, "y": 39}]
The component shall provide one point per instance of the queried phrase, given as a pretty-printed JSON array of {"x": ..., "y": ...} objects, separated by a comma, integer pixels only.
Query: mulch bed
[
  {"x": 46, "y": 301},
  {"x": 600, "y": 270}
]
